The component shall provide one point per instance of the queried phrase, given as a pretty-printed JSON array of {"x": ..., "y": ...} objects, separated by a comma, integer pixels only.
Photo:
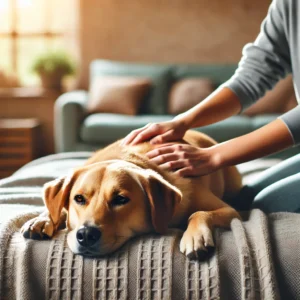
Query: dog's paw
[
  {"x": 197, "y": 244},
  {"x": 39, "y": 228}
]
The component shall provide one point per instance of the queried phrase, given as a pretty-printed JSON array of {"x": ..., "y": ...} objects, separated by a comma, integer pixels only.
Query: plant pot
[{"x": 52, "y": 80}]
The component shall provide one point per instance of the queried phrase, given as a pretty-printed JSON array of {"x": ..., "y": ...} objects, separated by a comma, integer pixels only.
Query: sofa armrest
[{"x": 69, "y": 111}]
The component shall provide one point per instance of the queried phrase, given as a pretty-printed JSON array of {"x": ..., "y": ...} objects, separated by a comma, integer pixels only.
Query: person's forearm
[
  {"x": 221, "y": 104},
  {"x": 266, "y": 140}
]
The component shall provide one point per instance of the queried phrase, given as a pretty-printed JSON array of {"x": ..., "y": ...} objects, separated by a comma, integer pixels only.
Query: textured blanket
[{"x": 256, "y": 259}]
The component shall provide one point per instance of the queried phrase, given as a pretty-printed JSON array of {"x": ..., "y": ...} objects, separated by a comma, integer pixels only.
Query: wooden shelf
[
  {"x": 18, "y": 143},
  {"x": 28, "y": 92}
]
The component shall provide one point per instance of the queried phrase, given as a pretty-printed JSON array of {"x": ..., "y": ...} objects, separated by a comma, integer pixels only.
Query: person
[{"x": 274, "y": 54}]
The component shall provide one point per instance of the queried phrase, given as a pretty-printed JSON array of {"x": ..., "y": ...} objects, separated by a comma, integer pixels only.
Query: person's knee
[
  {"x": 283, "y": 195},
  {"x": 267, "y": 200}
]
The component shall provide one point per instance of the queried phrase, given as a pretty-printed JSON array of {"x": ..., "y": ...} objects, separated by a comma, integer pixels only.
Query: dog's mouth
[
  {"x": 100, "y": 248},
  {"x": 101, "y": 251}
]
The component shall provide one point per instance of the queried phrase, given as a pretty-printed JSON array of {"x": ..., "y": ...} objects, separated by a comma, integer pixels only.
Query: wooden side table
[
  {"x": 19, "y": 143},
  {"x": 23, "y": 103}
]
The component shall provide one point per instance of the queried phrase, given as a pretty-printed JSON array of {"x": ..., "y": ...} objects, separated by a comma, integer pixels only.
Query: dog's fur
[{"x": 154, "y": 200}]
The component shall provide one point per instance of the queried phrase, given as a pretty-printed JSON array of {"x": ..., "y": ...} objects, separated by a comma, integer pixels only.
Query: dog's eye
[
  {"x": 120, "y": 200},
  {"x": 79, "y": 199}
]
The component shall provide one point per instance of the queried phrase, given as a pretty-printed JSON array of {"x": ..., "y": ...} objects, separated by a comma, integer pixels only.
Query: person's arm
[
  {"x": 266, "y": 140},
  {"x": 292, "y": 121},
  {"x": 268, "y": 58},
  {"x": 263, "y": 64},
  {"x": 188, "y": 160},
  {"x": 220, "y": 105}
]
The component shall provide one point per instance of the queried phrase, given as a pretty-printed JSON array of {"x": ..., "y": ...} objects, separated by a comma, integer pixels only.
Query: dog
[{"x": 119, "y": 193}]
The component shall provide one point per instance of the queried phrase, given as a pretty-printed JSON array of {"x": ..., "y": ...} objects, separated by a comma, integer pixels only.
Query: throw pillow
[
  {"x": 186, "y": 93},
  {"x": 119, "y": 95}
]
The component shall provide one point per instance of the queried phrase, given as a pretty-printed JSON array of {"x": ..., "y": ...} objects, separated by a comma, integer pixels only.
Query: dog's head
[{"x": 110, "y": 202}]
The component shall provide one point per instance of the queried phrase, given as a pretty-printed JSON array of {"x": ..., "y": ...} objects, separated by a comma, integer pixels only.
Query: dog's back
[{"x": 224, "y": 183}]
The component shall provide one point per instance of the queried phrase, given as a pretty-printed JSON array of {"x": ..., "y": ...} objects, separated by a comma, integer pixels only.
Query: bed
[{"x": 258, "y": 258}]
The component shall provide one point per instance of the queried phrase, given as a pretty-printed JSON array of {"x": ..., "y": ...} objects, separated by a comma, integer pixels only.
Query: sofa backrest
[
  {"x": 162, "y": 76},
  {"x": 218, "y": 73}
]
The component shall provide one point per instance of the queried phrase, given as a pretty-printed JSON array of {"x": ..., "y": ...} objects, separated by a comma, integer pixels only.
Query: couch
[{"x": 77, "y": 130}]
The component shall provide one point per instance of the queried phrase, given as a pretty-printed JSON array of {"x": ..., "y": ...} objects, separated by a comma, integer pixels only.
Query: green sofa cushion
[
  {"x": 106, "y": 128},
  {"x": 156, "y": 101}
]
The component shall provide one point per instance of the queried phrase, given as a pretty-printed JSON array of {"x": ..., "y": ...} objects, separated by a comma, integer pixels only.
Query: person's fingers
[
  {"x": 148, "y": 132},
  {"x": 175, "y": 165},
  {"x": 189, "y": 171},
  {"x": 168, "y": 136},
  {"x": 195, "y": 168},
  {"x": 142, "y": 136},
  {"x": 132, "y": 135},
  {"x": 161, "y": 159},
  {"x": 159, "y": 151}
]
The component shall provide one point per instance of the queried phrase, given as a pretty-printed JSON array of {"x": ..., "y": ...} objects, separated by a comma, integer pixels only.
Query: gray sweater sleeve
[{"x": 265, "y": 62}]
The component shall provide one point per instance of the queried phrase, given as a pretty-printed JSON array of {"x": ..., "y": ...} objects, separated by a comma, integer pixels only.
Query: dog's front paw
[
  {"x": 39, "y": 228},
  {"x": 197, "y": 243}
]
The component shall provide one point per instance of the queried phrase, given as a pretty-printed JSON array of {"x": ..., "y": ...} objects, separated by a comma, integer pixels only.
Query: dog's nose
[{"x": 87, "y": 236}]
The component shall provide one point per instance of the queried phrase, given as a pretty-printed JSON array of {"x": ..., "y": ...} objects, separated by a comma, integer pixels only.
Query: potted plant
[{"x": 52, "y": 67}]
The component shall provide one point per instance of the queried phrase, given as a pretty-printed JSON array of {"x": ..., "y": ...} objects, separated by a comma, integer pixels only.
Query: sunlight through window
[{"x": 28, "y": 28}]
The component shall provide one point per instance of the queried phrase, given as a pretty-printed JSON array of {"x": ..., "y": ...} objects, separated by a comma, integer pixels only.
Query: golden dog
[{"x": 119, "y": 194}]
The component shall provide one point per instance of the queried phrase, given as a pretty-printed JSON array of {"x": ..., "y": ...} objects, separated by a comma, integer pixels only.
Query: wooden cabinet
[
  {"x": 24, "y": 103},
  {"x": 19, "y": 143}
]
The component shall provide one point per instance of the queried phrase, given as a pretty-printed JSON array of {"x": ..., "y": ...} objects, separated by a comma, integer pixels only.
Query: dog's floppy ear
[
  {"x": 56, "y": 196},
  {"x": 163, "y": 198}
]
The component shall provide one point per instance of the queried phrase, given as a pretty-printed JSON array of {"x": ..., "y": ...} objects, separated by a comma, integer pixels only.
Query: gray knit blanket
[{"x": 258, "y": 258}]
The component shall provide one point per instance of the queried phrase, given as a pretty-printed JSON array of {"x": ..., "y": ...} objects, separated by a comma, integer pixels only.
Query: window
[{"x": 28, "y": 28}]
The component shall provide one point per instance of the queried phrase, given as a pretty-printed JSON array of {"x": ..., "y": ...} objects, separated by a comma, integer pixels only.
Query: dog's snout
[{"x": 87, "y": 236}]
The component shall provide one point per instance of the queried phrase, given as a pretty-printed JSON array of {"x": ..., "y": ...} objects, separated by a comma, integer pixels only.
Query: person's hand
[
  {"x": 157, "y": 133},
  {"x": 186, "y": 160}
]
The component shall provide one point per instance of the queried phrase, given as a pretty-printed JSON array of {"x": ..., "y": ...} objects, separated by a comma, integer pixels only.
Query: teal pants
[{"x": 276, "y": 189}]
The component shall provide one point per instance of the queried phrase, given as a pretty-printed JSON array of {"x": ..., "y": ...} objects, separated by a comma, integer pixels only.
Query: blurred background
[
  {"x": 29, "y": 28},
  {"x": 47, "y": 46},
  {"x": 159, "y": 30}
]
